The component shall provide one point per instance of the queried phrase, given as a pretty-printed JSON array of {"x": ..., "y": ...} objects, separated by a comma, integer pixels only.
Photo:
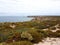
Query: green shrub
[
  {"x": 19, "y": 43},
  {"x": 58, "y": 31},
  {"x": 36, "y": 36},
  {"x": 17, "y": 36},
  {"x": 53, "y": 28},
  {"x": 9, "y": 39},
  {"x": 26, "y": 35},
  {"x": 43, "y": 33},
  {"x": 25, "y": 43},
  {"x": 49, "y": 33}
]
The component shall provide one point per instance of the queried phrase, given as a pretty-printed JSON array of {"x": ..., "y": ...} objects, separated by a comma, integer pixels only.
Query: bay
[{"x": 14, "y": 18}]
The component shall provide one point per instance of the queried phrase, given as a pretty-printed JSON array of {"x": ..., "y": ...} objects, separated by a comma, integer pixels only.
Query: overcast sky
[{"x": 29, "y": 7}]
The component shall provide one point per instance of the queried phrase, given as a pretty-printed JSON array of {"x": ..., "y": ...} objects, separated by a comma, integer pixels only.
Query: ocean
[{"x": 14, "y": 18}]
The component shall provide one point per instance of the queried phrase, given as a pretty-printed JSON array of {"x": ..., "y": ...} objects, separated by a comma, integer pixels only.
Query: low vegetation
[{"x": 27, "y": 33}]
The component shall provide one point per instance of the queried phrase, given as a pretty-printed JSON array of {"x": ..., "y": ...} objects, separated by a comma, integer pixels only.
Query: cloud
[
  {"x": 37, "y": 5},
  {"x": 7, "y": 6},
  {"x": 30, "y": 7}
]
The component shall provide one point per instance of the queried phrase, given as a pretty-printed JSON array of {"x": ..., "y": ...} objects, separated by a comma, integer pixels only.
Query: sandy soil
[{"x": 50, "y": 41}]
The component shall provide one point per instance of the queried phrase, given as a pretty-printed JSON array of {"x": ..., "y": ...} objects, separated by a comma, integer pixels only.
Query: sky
[{"x": 29, "y": 7}]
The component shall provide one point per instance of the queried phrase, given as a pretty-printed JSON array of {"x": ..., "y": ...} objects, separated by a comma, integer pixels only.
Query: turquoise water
[{"x": 14, "y": 18}]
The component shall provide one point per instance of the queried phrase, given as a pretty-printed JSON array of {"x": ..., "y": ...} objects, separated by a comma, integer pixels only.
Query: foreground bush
[
  {"x": 16, "y": 37},
  {"x": 19, "y": 43},
  {"x": 25, "y": 43},
  {"x": 26, "y": 36},
  {"x": 43, "y": 33},
  {"x": 36, "y": 36}
]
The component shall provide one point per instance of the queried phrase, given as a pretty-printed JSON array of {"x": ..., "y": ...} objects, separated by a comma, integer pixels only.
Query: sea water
[{"x": 14, "y": 18}]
